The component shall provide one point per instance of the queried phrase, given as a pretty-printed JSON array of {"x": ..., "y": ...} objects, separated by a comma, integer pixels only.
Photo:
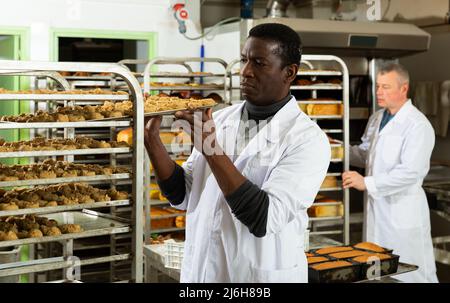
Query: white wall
[{"x": 117, "y": 15}]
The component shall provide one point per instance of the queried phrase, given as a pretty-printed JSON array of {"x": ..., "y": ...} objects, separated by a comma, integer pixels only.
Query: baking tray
[
  {"x": 81, "y": 124},
  {"x": 42, "y": 153},
  {"x": 65, "y": 180},
  {"x": 346, "y": 274},
  {"x": 402, "y": 268},
  {"x": 153, "y": 114},
  {"x": 92, "y": 223},
  {"x": 61, "y": 208},
  {"x": 387, "y": 267}
]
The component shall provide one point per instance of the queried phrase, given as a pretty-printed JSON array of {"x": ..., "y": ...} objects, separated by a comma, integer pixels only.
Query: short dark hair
[
  {"x": 290, "y": 44},
  {"x": 388, "y": 66}
]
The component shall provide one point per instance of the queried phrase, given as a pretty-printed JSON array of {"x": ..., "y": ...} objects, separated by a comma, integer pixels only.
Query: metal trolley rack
[
  {"x": 197, "y": 81},
  {"x": 324, "y": 67},
  {"x": 94, "y": 223}
]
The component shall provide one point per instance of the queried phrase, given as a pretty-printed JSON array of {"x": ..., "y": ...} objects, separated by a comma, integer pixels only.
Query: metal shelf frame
[
  {"x": 49, "y": 69},
  {"x": 342, "y": 73}
]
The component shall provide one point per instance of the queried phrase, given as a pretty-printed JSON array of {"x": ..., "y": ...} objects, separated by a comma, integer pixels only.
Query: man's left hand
[
  {"x": 352, "y": 179},
  {"x": 202, "y": 130}
]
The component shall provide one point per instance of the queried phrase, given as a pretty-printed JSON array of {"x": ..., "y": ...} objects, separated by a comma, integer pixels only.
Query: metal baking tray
[
  {"x": 91, "y": 123},
  {"x": 92, "y": 224},
  {"x": 187, "y": 87},
  {"x": 171, "y": 112},
  {"x": 324, "y": 86},
  {"x": 345, "y": 274},
  {"x": 387, "y": 267},
  {"x": 160, "y": 113},
  {"x": 64, "y": 180},
  {"x": 43, "y": 153},
  {"x": 402, "y": 268},
  {"x": 62, "y": 97},
  {"x": 61, "y": 208}
]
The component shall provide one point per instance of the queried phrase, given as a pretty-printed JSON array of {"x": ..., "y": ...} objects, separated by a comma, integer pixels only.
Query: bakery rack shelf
[
  {"x": 333, "y": 131},
  {"x": 164, "y": 230},
  {"x": 42, "y": 153},
  {"x": 154, "y": 202},
  {"x": 62, "y": 208},
  {"x": 324, "y": 117},
  {"x": 326, "y": 203},
  {"x": 186, "y": 63},
  {"x": 336, "y": 93},
  {"x": 82, "y": 97},
  {"x": 186, "y": 87},
  {"x": 82, "y": 124},
  {"x": 330, "y": 189},
  {"x": 185, "y": 75},
  {"x": 54, "y": 264},
  {"x": 319, "y": 102},
  {"x": 319, "y": 73},
  {"x": 326, "y": 233},
  {"x": 93, "y": 224},
  {"x": 96, "y": 178},
  {"x": 326, "y": 218},
  {"x": 317, "y": 87}
]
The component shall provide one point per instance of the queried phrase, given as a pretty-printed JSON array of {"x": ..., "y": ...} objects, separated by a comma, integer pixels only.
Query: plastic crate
[{"x": 174, "y": 254}]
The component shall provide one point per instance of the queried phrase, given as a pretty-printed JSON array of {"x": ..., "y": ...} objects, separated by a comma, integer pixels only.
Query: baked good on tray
[
  {"x": 330, "y": 265},
  {"x": 332, "y": 249},
  {"x": 313, "y": 260},
  {"x": 365, "y": 258},
  {"x": 370, "y": 246},
  {"x": 349, "y": 254}
]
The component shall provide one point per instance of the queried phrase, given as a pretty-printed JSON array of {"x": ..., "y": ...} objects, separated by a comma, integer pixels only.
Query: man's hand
[
  {"x": 353, "y": 179},
  {"x": 202, "y": 130},
  {"x": 151, "y": 129}
]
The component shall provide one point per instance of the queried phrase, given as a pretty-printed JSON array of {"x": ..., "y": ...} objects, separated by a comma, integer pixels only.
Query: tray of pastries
[
  {"x": 52, "y": 169},
  {"x": 95, "y": 91},
  {"x": 64, "y": 194},
  {"x": 351, "y": 263},
  {"x": 31, "y": 226},
  {"x": 42, "y": 144},
  {"x": 154, "y": 105},
  {"x": 28, "y": 229}
]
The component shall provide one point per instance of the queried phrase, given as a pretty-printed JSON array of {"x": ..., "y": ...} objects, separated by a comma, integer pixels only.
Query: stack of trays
[{"x": 347, "y": 264}]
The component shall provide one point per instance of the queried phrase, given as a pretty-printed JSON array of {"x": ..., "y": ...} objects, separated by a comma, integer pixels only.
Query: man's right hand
[
  {"x": 152, "y": 126},
  {"x": 162, "y": 163}
]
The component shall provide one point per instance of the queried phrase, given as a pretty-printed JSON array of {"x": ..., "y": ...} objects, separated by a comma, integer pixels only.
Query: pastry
[
  {"x": 369, "y": 246},
  {"x": 312, "y": 260},
  {"x": 332, "y": 249},
  {"x": 365, "y": 258},
  {"x": 330, "y": 265},
  {"x": 348, "y": 254}
]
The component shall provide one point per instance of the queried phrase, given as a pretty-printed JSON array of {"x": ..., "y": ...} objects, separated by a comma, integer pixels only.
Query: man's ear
[
  {"x": 291, "y": 72},
  {"x": 405, "y": 88}
]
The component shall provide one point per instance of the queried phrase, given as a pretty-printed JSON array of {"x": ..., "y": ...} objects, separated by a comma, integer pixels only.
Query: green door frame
[
  {"x": 23, "y": 34},
  {"x": 55, "y": 33}
]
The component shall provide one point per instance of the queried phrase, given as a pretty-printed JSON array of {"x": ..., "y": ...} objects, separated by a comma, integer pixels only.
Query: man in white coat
[
  {"x": 395, "y": 151},
  {"x": 255, "y": 169}
]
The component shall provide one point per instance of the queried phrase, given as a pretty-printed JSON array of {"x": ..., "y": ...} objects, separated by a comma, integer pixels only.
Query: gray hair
[{"x": 390, "y": 66}]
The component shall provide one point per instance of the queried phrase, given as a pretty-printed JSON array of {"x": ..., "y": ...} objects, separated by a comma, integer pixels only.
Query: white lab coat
[
  {"x": 396, "y": 213},
  {"x": 288, "y": 159}
]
